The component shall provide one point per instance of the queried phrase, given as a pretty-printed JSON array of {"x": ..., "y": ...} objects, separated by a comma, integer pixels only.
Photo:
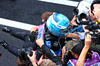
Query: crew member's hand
[
  {"x": 88, "y": 40},
  {"x": 33, "y": 57},
  {"x": 73, "y": 21},
  {"x": 39, "y": 42},
  {"x": 35, "y": 28},
  {"x": 96, "y": 12},
  {"x": 81, "y": 59}
]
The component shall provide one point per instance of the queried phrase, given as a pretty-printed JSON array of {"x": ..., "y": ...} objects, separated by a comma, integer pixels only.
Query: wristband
[
  {"x": 41, "y": 46},
  {"x": 87, "y": 33}
]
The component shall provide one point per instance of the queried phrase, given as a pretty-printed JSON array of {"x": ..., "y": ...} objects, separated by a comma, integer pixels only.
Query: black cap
[
  {"x": 78, "y": 48},
  {"x": 75, "y": 46}
]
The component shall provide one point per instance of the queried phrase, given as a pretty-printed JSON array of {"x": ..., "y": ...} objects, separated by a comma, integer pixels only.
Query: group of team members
[{"x": 57, "y": 41}]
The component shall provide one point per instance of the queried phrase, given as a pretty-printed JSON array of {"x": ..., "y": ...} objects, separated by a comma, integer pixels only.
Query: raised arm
[{"x": 81, "y": 59}]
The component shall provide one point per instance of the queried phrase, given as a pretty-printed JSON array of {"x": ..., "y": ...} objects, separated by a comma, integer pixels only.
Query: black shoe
[
  {"x": 13, "y": 0},
  {"x": 4, "y": 44},
  {"x": 6, "y": 29},
  {"x": 0, "y": 54}
]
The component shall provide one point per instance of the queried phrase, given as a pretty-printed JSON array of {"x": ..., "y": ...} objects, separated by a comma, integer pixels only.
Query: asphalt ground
[{"x": 25, "y": 11}]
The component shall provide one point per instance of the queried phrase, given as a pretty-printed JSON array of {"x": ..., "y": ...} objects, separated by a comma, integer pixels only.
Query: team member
[
  {"x": 21, "y": 53},
  {"x": 73, "y": 51}
]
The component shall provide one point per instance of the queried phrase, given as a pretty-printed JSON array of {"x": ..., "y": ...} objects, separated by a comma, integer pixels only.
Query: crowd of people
[{"x": 58, "y": 41}]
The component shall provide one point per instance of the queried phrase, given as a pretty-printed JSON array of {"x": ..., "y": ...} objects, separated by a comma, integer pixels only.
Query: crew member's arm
[
  {"x": 81, "y": 59},
  {"x": 50, "y": 54},
  {"x": 63, "y": 52},
  {"x": 33, "y": 58},
  {"x": 73, "y": 35}
]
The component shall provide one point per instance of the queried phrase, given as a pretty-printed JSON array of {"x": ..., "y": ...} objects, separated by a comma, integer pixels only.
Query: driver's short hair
[{"x": 46, "y": 15}]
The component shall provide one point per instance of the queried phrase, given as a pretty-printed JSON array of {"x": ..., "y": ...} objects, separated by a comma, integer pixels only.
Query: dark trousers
[
  {"x": 27, "y": 43},
  {"x": 13, "y": 50}
]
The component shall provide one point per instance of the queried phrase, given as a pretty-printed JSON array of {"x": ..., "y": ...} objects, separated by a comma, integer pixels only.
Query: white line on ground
[
  {"x": 63, "y": 2},
  {"x": 16, "y": 24},
  {"x": 25, "y": 26}
]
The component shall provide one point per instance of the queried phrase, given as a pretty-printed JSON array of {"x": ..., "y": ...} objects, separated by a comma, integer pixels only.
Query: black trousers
[{"x": 27, "y": 43}]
